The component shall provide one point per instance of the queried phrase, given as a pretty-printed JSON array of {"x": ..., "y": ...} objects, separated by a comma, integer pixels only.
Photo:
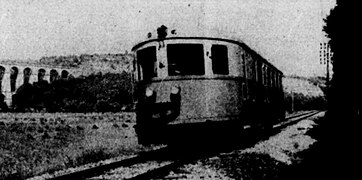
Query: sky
[{"x": 286, "y": 32}]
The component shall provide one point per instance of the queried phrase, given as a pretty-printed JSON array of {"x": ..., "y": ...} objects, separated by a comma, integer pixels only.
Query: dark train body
[{"x": 200, "y": 84}]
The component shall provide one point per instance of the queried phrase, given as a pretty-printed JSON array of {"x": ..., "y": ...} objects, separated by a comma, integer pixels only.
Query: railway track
[
  {"x": 95, "y": 171},
  {"x": 291, "y": 119},
  {"x": 158, "y": 163}
]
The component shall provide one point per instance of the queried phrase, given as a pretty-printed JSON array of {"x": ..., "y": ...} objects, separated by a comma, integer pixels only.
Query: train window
[
  {"x": 147, "y": 59},
  {"x": 250, "y": 68},
  {"x": 275, "y": 79},
  {"x": 219, "y": 56},
  {"x": 244, "y": 91},
  {"x": 279, "y": 81},
  {"x": 243, "y": 65},
  {"x": 269, "y": 78},
  {"x": 253, "y": 69},
  {"x": 259, "y": 72},
  {"x": 264, "y": 75},
  {"x": 185, "y": 59}
]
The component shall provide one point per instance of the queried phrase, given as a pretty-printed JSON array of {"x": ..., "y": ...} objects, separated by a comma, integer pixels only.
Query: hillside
[
  {"x": 302, "y": 93},
  {"x": 307, "y": 86}
]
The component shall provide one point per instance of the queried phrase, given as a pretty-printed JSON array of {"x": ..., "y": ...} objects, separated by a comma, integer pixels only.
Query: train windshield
[
  {"x": 147, "y": 59},
  {"x": 185, "y": 59}
]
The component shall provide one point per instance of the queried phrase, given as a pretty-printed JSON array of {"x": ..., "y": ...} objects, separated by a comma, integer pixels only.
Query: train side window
[
  {"x": 253, "y": 70},
  {"x": 244, "y": 91},
  {"x": 250, "y": 67},
  {"x": 219, "y": 56},
  {"x": 147, "y": 59},
  {"x": 267, "y": 76},
  {"x": 257, "y": 72},
  {"x": 243, "y": 61},
  {"x": 271, "y": 78},
  {"x": 260, "y": 72},
  {"x": 264, "y": 75},
  {"x": 275, "y": 79},
  {"x": 185, "y": 59}
]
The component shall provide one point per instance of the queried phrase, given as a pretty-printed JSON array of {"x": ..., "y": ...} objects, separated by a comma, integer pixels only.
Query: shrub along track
[{"x": 170, "y": 158}]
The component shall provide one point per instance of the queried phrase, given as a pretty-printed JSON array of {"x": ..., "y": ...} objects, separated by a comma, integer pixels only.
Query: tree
[{"x": 341, "y": 128}]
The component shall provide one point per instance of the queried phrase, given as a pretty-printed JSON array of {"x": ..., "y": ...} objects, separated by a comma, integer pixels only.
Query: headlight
[
  {"x": 149, "y": 92},
  {"x": 150, "y": 95},
  {"x": 175, "y": 90}
]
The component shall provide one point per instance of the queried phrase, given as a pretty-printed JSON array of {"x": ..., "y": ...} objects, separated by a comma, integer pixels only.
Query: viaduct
[{"x": 14, "y": 73}]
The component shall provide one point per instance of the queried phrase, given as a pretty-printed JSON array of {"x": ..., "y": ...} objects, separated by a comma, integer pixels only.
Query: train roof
[{"x": 246, "y": 47}]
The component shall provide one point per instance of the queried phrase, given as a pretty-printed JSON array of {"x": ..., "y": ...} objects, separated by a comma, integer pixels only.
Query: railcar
[{"x": 194, "y": 84}]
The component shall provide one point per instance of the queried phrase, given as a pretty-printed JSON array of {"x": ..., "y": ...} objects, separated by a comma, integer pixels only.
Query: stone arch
[
  {"x": 64, "y": 74},
  {"x": 41, "y": 74},
  {"x": 26, "y": 74},
  {"x": 53, "y": 75},
  {"x": 23, "y": 97},
  {"x": 2, "y": 73},
  {"x": 14, "y": 71}
]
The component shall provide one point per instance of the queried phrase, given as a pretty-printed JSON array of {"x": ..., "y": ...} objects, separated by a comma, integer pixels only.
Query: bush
[
  {"x": 94, "y": 93},
  {"x": 89, "y": 156},
  {"x": 100, "y": 93}
]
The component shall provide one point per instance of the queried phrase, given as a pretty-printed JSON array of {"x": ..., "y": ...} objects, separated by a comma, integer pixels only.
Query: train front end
[{"x": 186, "y": 85}]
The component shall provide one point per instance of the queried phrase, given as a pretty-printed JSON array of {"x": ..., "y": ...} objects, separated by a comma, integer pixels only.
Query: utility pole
[
  {"x": 328, "y": 59},
  {"x": 324, "y": 52},
  {"x": 292, "y": 100},
  {"x": 325, "y": 55}
]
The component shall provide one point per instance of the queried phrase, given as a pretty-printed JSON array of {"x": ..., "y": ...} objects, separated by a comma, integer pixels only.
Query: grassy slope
[
  {"x": 305, "y": 93},
  {"x": 32, "y": 144}
]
